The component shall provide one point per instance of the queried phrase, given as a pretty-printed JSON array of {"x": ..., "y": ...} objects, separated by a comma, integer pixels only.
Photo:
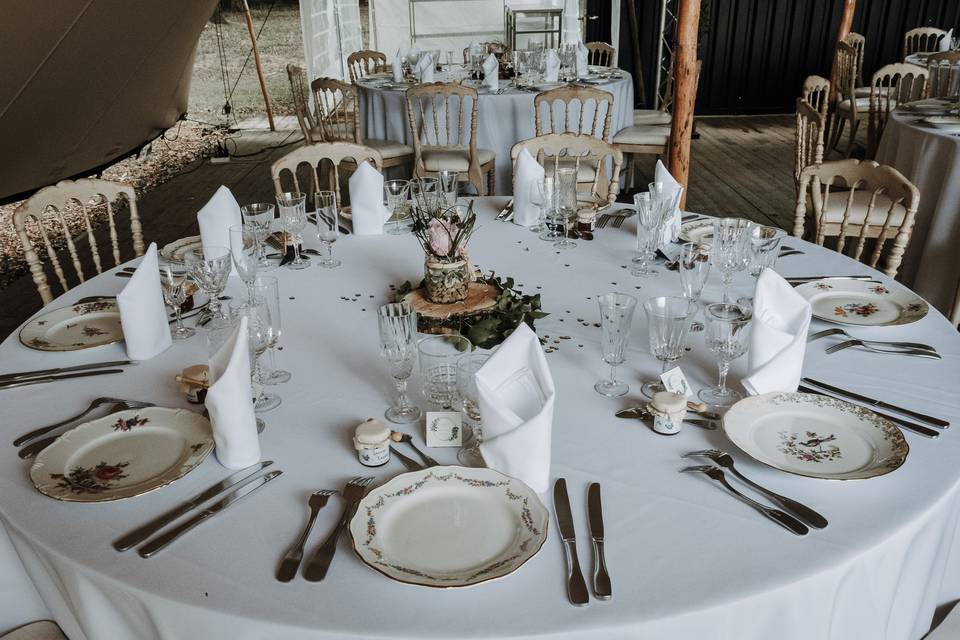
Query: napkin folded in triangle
[
  {"x": 230, "y": 404},
  {"x": 781, "y": 318},
  {"x": 946, "y": 41},
  {"x": 673, "y": 189},
  {"x": 583, "y": 60},
  {"x": 516, "y": 396},
  {"x": 491, "y": 72},
  {"x": 397, "y": 68},
  {"x": 551, "y": 67},
  {"x": 423, "y": 70},
  {"x": 143, "y": 314},
  {"x": 527, "y": 173},
  {"x": 216, "y": 217},
  {"x": 366, "y": 201}
]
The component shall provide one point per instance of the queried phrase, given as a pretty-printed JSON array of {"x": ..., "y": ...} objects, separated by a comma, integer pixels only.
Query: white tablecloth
[
  {"x": 687, "y": 561},
  {"x": 502, "y": 119},
  {"x": 931, "y": 160}
]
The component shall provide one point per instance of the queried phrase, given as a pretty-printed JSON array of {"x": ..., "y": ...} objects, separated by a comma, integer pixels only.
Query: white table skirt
[
  {"x": 502, "y": 120},
  {"x": 687, "y": 561},
  {"x": 931, "y": 160}
]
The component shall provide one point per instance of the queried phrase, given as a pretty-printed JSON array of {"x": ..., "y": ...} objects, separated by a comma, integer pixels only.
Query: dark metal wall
[{"x": 756, "y": 52}]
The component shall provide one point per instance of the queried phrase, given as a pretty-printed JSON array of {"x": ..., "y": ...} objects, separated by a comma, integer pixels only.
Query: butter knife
[
  {"x": 506, "y": 211},
  {"x": 235, "y": 480},
  {"x": 10, "y": 384},
  {"x": 880, "y": 404},
  {"x": 916, "y": 428},
  {"x": 601, "y": 579},
  {"x": 576, "y": 587},
  {"x": 161, "y": 541},
  {"x": 7, "y": 377}
]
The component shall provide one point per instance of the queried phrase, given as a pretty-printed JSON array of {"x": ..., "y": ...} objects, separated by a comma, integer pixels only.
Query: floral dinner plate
[
  {"x": 857, "y": 302},
  {"x": 697, "y": 231},
  {"x": 815, "y": 436},
  {"x": 176, "y": 250},
  {"x": 449, "y": 526},
  {"x": 80, "y": 326},
  {"x": 122, "y": 455}
]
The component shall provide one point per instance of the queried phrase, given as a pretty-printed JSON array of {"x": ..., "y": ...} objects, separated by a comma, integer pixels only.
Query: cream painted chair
[
  {"x": 361, "y": 64},
  {"x": 301, "y": 104},
  {"x": 808, "y": 146},
  {"x": 855, "y": 201},
  {"x": 816, "y": 91},
  {"x": 858, "y": 42},
  {"x": 601, "y": 54},
  {"x": 943, "y": 73},
  {"x": 319, "y": 159},
  {"x": 443, "y": 125},
  {"x": 45, "y": 216},
  {"x": 554, "y": 111},
  {"x": 41, "y": 630},
  {"x": 850, "y": 109},
  {"x": 891, "y": 85},
  {"x": 922, "y": 40}
]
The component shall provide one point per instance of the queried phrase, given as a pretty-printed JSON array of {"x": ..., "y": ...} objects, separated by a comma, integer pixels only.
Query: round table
[
  {"x": 930, "y": 158},
  {"x": 686, "y": 559},
  {"x": 503, "y": 119}
]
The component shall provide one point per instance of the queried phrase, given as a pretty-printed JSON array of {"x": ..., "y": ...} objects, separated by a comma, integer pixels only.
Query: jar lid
[
  {"x": 372, "y": 431},
  {"x": 669, "y": 402}
]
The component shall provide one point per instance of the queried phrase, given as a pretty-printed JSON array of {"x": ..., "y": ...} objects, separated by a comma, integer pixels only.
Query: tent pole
[
  {"x": 684, "y": 91},
  {"x": 846, "y": 22},
  {"x": 256, "y": 61}
]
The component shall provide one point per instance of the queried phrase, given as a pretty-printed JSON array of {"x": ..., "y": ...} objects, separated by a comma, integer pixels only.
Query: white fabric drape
[
  {"x": 460, "y": 21},
  {"x": 331, "y": 32}
]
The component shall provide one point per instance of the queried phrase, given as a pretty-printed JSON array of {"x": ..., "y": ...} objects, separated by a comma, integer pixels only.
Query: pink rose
[{"x": 440, "y": 235}]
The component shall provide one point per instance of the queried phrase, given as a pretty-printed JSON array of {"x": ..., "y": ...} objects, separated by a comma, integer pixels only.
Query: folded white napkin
[
  {"x": 423, "y": 70},
  {"x": 527, "y": 173},
  {"x": 672, "y": 228},
  {"x": 215, "y": 219},
  {"x": 583, "y": 61},
  {"x": 366, "y": 201},
  {"x": 551, "y": 65},
  {"x": 143, "y": 315},
  {"x": 516, "y": 395},
  {"x": 230, "y": 404},
  {"x": 781, "y": 317},
  {"x": 945, "y": 41},
  {"x": 491, "y": 72},
  {"x": 397, "y": 67}
]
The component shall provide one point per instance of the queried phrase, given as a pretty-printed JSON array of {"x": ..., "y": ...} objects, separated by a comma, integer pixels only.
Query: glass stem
[
  {"x": 402, "y": 401},
  {"x": 272, "y": 351},
  {"x": 296, "y": 249},
  {"x": 329, "y": 248},
  {"x": 724, "y": 367},
  {"x": 613, "y": 374},
  {"x": 177, "y": 312}
]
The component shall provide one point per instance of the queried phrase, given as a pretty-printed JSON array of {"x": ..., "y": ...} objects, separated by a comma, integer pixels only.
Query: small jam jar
[
  {"x": 669, "y": 410},
  {"x": 372, "y": 441}
]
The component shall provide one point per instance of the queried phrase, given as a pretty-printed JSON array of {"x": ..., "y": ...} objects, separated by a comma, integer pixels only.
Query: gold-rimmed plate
[
  {"x": 176, "y": 250},
  {"x": 79, "y": 326},
  {"x": 861, "y": 303}
]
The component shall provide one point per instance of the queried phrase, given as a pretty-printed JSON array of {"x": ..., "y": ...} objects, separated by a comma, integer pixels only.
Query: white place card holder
[
  {"x": 674, "y": 380},
  {"x": 444, "y": 429}
]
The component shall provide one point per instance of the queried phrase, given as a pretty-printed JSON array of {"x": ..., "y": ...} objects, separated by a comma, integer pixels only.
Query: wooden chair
[
  {"x": 438, "y": 114},
  {"x": 808, "y": 147},
  {"x": 816, "y": 91},
  {"x": 361, "y": 64},
  {"x": 301, "y": 104},
  {"x": 601, "y": 54},
  {"x": 338, "y": 120},
  {"x": 922, "y": 40},
  {"x": 850, "y": 109},
  {"x": 891, "y": 85},
  {"x": 47, "y": 210},
  {"x": 943, "y": 69},
  {"x": 564, "y": 98},
  {"x": 557, "y": 148},
  {"x": 321, "y": 158},
  {"x": 857, "y": 200},
  {"x": 858, "y": 42},
  {"x": 663, "y": 115}
]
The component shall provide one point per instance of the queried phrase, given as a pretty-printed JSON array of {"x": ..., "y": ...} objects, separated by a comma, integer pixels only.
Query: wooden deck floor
[{"x": 742, "y": 166}]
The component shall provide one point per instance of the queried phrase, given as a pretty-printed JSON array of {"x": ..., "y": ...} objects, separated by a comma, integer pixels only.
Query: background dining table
[{"x": 686, "y": 559}]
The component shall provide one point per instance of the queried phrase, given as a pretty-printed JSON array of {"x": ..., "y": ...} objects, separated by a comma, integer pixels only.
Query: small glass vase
[{"x": 446, "y": 282}]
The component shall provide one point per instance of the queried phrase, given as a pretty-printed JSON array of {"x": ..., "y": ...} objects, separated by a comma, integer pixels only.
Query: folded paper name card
[{"x": 444, "y": 429}]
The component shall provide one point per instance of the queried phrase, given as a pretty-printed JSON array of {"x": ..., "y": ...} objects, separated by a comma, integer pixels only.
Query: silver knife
[
  {"x": 916, "y": 428},
  {"x": 161, "y": 541},
  {"x": 507, "y": 209},
  {"x": 937, "y": 422},
  {"x": 6, "y": 377},
  {"x": 576, "y": 587},
  {"x": 143, "y": 532},
  {"x": 10, "y": 384},
  {"x": 805, "y": 279},
  {"x": 601, "y": 579}
]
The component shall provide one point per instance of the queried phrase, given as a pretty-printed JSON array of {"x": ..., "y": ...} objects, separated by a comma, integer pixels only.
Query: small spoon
[{"x": 397, "y": 436}]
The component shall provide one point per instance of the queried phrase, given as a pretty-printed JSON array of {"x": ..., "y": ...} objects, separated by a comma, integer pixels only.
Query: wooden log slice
[{"x": 480, "y": 297}]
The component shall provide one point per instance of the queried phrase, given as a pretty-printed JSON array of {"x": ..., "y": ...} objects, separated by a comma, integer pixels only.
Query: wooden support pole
[
  {"x": 846, "y": 22},
  {"x": 684, "y": 92},
  {"x": 256, "y": 61}
]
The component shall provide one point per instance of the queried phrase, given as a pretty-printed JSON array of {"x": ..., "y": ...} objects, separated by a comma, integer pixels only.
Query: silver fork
[
  {"x": 603, "y": 220},
  {"x": 785, "y": 520},
  {"x": 840, "y": 332},
  {"x": 618, "y": 221},
  {"x": 291, "y": 561},
  {"x": 37, "y": 446},
  {"x": 316, "y": 570},
  {"x": 802, "y": 511},
  {"x": 904, "y": 351},
  {"x": 97, "y": 402}
]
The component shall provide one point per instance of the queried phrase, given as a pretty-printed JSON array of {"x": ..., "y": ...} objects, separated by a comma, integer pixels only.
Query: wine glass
[
  {"x": 616, "y": 317},
  {"x": 727, "y": 330},
  {"x": 293, "y": 219},
  {"x": 542, "y": 197},
  {"x": 258, "y": 337},
  {"x": 398, "y": 333},
  {"x": 467, "y": 368},
  {"x": 173, "y": 280},
  {"x": 259, "y": 215},
  {"x": 694, "y": 267},
  {"x": 764, "y": 244},
  {"x": 561, "y": 221},
  {"x": 729, "y": 252},
  {"x": 649, "y": 228},
  {"x": 668, "y": 319},
  {"x": 447, "y": 182},
  {"x": 243, "y": 251},
  {"x": 438, "y": 367},
  {"x": 396, "y": 192},
  {"x": 425, "y": 192},
  {"x": 210, "y": 268},
  {"x": 267, "y": 288},
  {"x": 328, "y": 226}
]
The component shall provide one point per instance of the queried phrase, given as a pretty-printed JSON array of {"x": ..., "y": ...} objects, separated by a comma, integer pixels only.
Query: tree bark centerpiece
[{"x": 443, "y": 232}]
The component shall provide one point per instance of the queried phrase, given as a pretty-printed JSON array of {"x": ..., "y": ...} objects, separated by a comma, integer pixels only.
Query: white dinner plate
[
  {"x": 547, "y": 86},
  {"x": 449, "y": 526},
  {"x": 80, "y": 326},
  {"x": 122, "y": 455},
  {"x": 945, "y": 123},
  {"x": 697, "y": 231},
  {"x": 815, "y": 436},
  {"x": 176, "y": 250},
  {"x": 857, "y": 302}
]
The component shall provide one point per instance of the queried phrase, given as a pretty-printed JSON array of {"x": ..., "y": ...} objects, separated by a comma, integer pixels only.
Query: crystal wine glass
[
  {"x": 398, "y": 334},
  {"x": 694, "y": 267},
  {"x": 293, "y": 219},
  {"x": 542, "y": 196},
  {"x": 668, "y": 321},
  {"x": 425, "y": 192},
  {"x": 267, "y": 288},
  {"x": 173, "y": 280},
  {"x": 258, "y": 335},
  {"x": 328, "y": 226},
  {"x": 560, "y": 218},
  {"x": 729, "y": 252},
  {"x": 467, "y": 368},
  {"x": 243, "y": 251},
  {"x": 616, "y": 317},
  {"x": 210, "y": 268},
  {"x": 448, "y": 183},
  {"x": 764, "y": 243},
  {"x": 649, "y": 228},
  {"x": 260, "y": 216},
  {"x": 727, "y": 330},
  {"x": 395, "y": 192},
  {"x": 438, "y": 367}
]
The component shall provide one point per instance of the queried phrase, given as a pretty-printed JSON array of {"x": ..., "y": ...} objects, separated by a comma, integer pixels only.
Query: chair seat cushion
[
  {"x": 653, "y": 135},
  {"x": 42, "y": 630},
  {"x": 861, "y": 200},
  {"x": 453, "y": 159},
  {"x": 389, "y": 148},
  {"x": 650, "y": 116}
]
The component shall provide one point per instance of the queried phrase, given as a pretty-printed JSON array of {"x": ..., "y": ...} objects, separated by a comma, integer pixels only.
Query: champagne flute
[
  {"x": 293, "y": 219},
  {"x": 467, "y": 368},
  {"x": 328, "y": 226},
  {"x": 649, "y": 223},
  {"x": 616, "y": 317},
  {"x": 398, "y": 333},
  {"x": 173, "y": 279},
  {"x": 668, "y": 321},
  {"x": 541, "y": 196},
  {"x": 694, "y": 267},
  {"x": 210, "y": 268},
  {"x": 243, "y": 250},
  {"x": 729, "y": 252},
  {"x": 727, "y": 329},
  {"x": 258, "y": 337},
  {"x": 396, "y": 192},
  {"x": 267, "y": 288},
  {"x": 260, "y": 216}
]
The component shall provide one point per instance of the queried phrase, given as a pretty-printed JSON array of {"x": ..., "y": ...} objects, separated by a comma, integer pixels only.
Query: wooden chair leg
[
  {"x": 492, "y": 180},
  {"x": 853, "y": 137},
  {"x": 838, "y": 124}
]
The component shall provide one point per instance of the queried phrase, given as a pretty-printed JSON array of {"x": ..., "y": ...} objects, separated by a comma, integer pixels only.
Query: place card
[
  {"x": 444, "y": 429},
  {"x": 674, "y": 380}
]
